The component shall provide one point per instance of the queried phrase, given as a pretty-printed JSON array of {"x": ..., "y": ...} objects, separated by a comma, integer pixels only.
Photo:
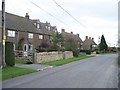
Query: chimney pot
[
  {"x": 71, "y": 32},
  {"x": 86, "y": 37},
  {"x": 89, "y": 37},
  {"x": 78, "y": 35},
  {"x": 63, "y": 30},
  {"x": 27, "y": 16},
  {"x": 93, "y": 39}
]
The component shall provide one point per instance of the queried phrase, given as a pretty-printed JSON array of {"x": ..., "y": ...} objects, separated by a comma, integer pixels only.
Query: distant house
[
  {"x": 26, "y": 34},
  {"x": 89, "y": 44},
  {"x": 70, "y": 37}
]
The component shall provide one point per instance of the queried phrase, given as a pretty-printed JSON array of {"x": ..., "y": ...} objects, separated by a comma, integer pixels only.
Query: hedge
[{"x": 9, "y": 54}]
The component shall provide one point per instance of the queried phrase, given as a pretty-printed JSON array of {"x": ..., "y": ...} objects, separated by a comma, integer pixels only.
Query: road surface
[{"x": 96, "y": 72}]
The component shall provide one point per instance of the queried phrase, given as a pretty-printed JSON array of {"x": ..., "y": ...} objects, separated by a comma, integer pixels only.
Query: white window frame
[
  {"x": 30, "y": 35},
  {"x": 40, "y": 36},
  {"x": 11, "y": 33}
]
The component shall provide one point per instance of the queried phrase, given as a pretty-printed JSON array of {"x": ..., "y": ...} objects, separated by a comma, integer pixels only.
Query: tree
[
  {"x": 71, "y": 45},
  {"x": 103, "y": 46},
  {"x": 56, "y": 40}
]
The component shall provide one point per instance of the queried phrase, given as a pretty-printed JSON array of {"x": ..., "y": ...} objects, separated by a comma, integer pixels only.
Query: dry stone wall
[{"x": 52, "y": 56}]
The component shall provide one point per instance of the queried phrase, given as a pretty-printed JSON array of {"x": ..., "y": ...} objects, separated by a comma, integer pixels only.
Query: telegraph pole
[{"x": 3, "y": 33}]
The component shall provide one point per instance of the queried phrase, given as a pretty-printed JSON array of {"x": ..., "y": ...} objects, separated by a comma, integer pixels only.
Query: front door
[{"x": 25, "y": 49}]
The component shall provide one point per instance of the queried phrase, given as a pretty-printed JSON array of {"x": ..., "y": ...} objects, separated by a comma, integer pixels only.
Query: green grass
[
  {"x": 21, "y": 61},
  {"x": 11, "y": 72},
  {"x": 0, "y": 74},
  {"x": 62, "y": 62}
]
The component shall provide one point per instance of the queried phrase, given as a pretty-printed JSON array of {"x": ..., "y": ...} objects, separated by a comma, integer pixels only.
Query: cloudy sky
[{"x": 98, "y": 16}]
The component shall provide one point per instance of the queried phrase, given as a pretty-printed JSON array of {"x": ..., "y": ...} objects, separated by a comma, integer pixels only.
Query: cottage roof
[
  {"x": 42, "y": 29},
  {"x": 19, "y": 23},
  {"x": 87, "y": 43},
  {"x": 14, "y": 22},
  {"x": 67, "y": 36}
]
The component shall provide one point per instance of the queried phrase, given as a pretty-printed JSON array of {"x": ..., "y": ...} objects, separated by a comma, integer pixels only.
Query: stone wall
[{"x": 52, "y": 56}]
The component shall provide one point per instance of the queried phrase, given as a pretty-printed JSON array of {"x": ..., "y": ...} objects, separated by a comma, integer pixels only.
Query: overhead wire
[
  {"x": 69, "y": 14},
  {"x": 47, "y": 12},
  {"x": 65, "y": 25}
]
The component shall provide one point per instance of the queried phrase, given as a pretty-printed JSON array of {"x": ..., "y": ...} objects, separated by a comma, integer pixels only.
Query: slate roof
[
  {"x": 19, "y": 23},
  {"x": 87, "y": 43},
  {"x": 42, "y": 29}
]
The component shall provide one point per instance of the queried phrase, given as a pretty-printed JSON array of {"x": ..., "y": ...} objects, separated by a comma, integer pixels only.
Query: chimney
[
  {"x": 71, "y": 32},
  {"x": 62, "y": 30},
  {"x": 86, "y": 37},
  {"x": 92, "y": 39},
  {"x": 78, "y": 35},
  {"x": 27, "y": 16},
  {"x": 89, "y": 37}
]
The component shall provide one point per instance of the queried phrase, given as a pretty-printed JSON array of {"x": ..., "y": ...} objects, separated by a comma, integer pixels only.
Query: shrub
[
  {"x": 41, "y": 50},
  {"x": 76, "y": 52},
  {"x": 86, "y": 51},
  {"x": 9, "y": 54},
  {"x": 97, "y": 52}
]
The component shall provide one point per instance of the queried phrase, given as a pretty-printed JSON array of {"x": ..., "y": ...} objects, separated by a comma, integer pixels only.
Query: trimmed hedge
[
  {"x": 9, "y": 54},
  {"x": 86, "y": 51}
]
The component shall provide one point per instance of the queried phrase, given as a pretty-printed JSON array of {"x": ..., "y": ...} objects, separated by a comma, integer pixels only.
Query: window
[
  {"x": 30, "y": 35},
  {"x": 48, "y": 28},
  {"x": 40, "y": 36},
  {"x": 81, "y": 43},
  {"x": 38, "y": 25},
  {"x": 11, "y": 33},
  {"x": 94, "y": 45}
]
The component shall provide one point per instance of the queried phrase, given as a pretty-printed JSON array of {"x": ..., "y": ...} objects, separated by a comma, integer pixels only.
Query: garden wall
[{"x": 52, "y": 56}]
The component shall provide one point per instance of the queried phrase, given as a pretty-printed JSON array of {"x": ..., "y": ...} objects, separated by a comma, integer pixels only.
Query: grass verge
[
  {"x": 11, "y": 72},
  {"x": 21, "y": 61},
  {"x": 0, "y": 74},
  {"x": 65, "y": 61}
]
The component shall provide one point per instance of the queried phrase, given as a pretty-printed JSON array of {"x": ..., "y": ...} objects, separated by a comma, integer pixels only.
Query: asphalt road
[{"x": 96, "y": 72}]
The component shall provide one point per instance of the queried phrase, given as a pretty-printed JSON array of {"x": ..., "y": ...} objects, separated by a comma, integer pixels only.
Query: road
[{"x": 96, "y": 72}]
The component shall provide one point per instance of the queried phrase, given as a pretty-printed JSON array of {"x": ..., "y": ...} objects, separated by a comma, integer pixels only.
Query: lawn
[
  {"x": 62, "y": 62},
  {"x": 11, "y": 72}
]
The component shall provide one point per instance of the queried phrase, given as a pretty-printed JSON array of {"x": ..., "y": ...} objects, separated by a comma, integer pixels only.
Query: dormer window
[
  {"x": 38, "y": 25},
  {"x": 48, "y": 28}
]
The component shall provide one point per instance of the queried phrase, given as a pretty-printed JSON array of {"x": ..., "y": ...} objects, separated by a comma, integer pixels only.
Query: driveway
[
  {"x": 95, "y": 72},
  {"x": 34, "y": 66}
]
